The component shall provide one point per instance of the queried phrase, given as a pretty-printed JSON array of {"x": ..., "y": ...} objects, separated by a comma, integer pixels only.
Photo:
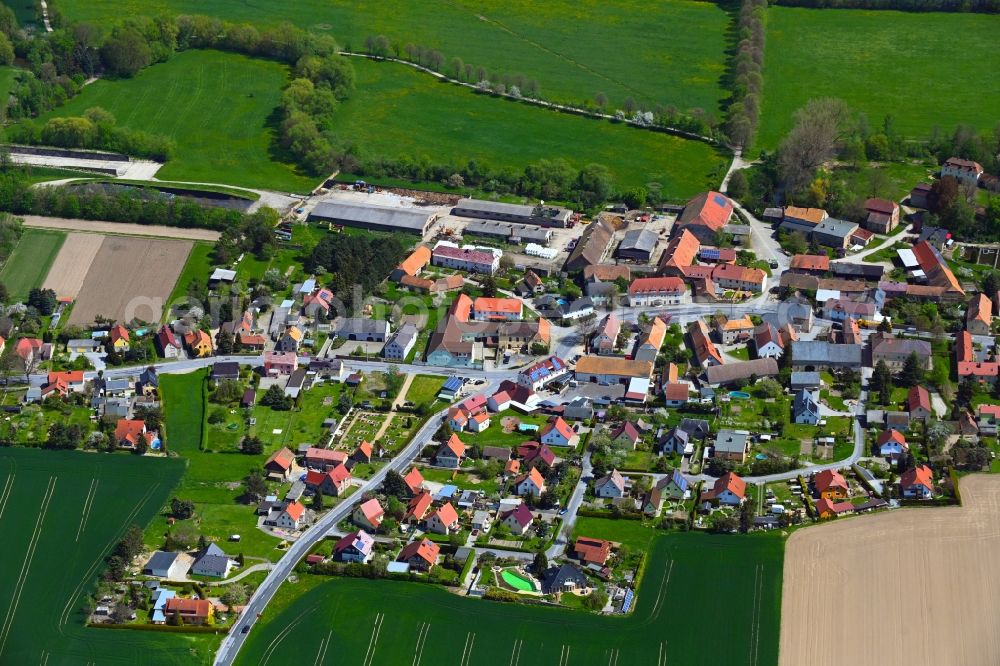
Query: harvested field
[
  {"x": 130, "y": 278},
  {"x": 121, "y": 228},
  {"x": 72, "y": 264},
  {"x": 914, "y": 586}
]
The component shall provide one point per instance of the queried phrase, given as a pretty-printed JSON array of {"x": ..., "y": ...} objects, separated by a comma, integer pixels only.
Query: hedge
[
  {"x": 184, "y": 629},
  {"x": 807, "y": 499}
]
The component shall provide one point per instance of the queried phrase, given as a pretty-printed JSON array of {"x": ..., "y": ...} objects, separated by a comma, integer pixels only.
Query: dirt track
[
  {"x": 120, "y": 228},
  {"x": 72, "y": 263},
  {"x": 911, "y": 587},
  {"x": 130, "y": 278}
]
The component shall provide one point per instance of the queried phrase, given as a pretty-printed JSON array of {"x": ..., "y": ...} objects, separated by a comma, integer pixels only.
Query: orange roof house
[
  {"x": 592, "y": 551},
  {"x": 414, "y": 480},
  {"x": 199, "y": 342},
  {"x": 701, "y": 343},
  {"x": 369, "y": 513},
  {"x": 419, "y": 506},
  {"x": 496, "y": 308},
  {"x": 705, "y": 215},
  {"x": 420, "y": 555},
  {"x": 416, "y": 262},
  {"x": 280, "y": 462},
  {"x": 817, "y": 263},
  {"x": 119, "y": 337},
  {"x": 831, "y": 484},
  {"x": 681, "y": 251}
]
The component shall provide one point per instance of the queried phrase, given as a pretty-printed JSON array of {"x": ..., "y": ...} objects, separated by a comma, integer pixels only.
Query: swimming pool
[
  {"x": 739, "y": 395},
  {"x": 517, "y": 581}
]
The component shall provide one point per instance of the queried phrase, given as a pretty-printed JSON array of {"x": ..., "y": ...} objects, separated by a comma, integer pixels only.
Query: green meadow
[
  {"x": 31, "y": 260},
  {"x": 217, "y": 107},
  {"x": 400, "y": 113},
  {"x": 923, "y": 69},
  {"x": 61, "y": 512},
  {"x": 669, "y": 53},
  {"x": 703, "y": 600}
]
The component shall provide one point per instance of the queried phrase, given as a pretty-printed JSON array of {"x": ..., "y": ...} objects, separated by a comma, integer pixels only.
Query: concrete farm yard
[
  {"x": 60, "y": 513},
  {"x": 685, "y": 576},
  {"x": 675, "y": 51}
]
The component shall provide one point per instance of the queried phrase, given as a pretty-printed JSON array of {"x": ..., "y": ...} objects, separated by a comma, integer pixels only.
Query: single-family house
[
  {"x": 331, "y": 482},
  {"x": 767, "y": 341},
  {"x": 728, "y": 489},
  {"x": 674, "y": 485},
  {"x": 626, "y": 434},
  {"x": 277, "y": 364},
  {"x": 128, "y": 433},
  {"x": 611, "y": 485},
  {"x": 198, "y": 342},
  {"x": 530, "y": 483},
  {"x": 190, "y": 611},
  {"x": 414, "y": 481},
  {"x": 917, "y": 483},
  {"x": 401, "y": 343},
  {"x": 496, "y": 309},
  {"x": 805, "y": 407},
  {"x": 731, "y": 445},
  {"x": 517, "y": 519},
  {"x": 882, "y": 215},
  {"x": 558, "y": 433},
  {"x": 289, "y": 340},
  {"x": 701, "y": 344},
  {"x": 450, "y": 453},
  {"x": 323, "y": 459},
  {"x": 826, "y": 508},
  {"x": 418, "y": 507},
  {"x": 979, "y": 316},
  {"x": 605, "y": 340},
  {"x": 648, "y": 344},
  {"x": 611, "y": 370},
  {"x": 444, "y": 520},
  {"x": 565, "y": 578},
  {"x": 892, "y": 444},
  {"x": 225, "y": 370},
  {"x": 592, "y": 551},
  {"x": 368, "y": 515},
  {"x": 212, "y": 561},
  {"x": 657, "y": 291},
  {"x": 538, "y": 455},
  {"x": 964, "y": 171},
  {"x": 292, "y": 516},
  {"x": 355, "y": 546},
  {"x": 732, "y": 330},
  {"x": 831, "y": 484},
  {"x": 119, "y": 338},
  {"x": 918, "y": 401},
  {"x": 420, "y": 555}
]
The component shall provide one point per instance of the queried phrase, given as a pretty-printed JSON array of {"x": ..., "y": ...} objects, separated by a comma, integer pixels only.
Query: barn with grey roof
[{"x": 376, "y": 218}]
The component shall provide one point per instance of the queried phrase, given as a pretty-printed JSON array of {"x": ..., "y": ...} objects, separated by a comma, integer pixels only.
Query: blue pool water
[{"x": 739, "y": 395}]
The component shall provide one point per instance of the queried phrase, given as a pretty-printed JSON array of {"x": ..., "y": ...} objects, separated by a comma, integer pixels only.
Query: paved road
[
  {"x": 234, "y": 641},
  {"x": 559, "y": 545}
]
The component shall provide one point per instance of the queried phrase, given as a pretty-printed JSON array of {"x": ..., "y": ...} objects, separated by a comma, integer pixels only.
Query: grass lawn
[
  {"x": 667, "y": 53},
  {"x": 301, "y": 425},
  {"x": 495, "y": 436},
  {"x": 197, "y": 268},
  {"x": 215, "y": 106},
  {"x": 457, "y": 125},
  {"x": 632, "y": 533},
  {"x": 424, "y": 388},
  {"x": 31, "y": 426},
  {"x": 881, "y": 63},
  {"x": 28, "y": 265},
  {"x": 212, "y": 479},
  {"x": 697, "y": 568},
  {"x": 54, "y": 551}
]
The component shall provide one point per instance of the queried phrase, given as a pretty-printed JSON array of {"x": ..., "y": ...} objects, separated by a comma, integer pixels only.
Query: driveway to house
[
  {"x": 896, "y": 237},
  {"x": 558, "y": 546},
  {"x": 263, "y": 566}
]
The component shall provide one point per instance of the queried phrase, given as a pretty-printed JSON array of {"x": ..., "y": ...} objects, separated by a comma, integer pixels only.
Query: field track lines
[
  {"x": 664, "y": 582},
  {"x": 470, "y": 639},
  {"x": 373, "y": 641},
  {"x": 86, "y": 578},
  {"x": 661, "y": 660},
  {"x": 273, "y": 645},
  {"x": 87, "y": 503},
  {"x": 8, "y": 621},
  {"x": 758, "y": 593},
  {"x": 418, "y": 650},
  {"x": 515, "y": 653},
  {"x": 44, "y": 658},
  {"x": 5, "y": 494},
  {"x": 564, "y": 655},
  {"x": 613, "y": 657},
  {"x": 323, "y": 645}
]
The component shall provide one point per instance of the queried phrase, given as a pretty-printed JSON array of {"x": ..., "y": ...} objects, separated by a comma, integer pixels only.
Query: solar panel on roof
[{"x": 719, "y": 199}]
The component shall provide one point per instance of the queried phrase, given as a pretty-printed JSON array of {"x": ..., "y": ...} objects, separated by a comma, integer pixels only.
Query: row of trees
[
  {"x": 18, "y": 197},
  {"x": 95, "y": 129},
  {"x": 744, "y": 110},
  {"x": 587, "y": 187},
  {"x": 982, "y": 6}
]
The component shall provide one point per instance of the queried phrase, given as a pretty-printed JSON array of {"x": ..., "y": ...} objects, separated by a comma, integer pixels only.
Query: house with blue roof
[
  {"x": 160, "y": 598},
  {"x": 542, "y": 373}
]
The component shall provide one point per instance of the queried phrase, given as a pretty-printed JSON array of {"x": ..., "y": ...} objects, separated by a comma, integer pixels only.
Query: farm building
[
  {"x": 376, "y": 218},
  {"x": 593, "y": 247},
  {"x": 637, "y": 245},
  {"x": 512, "y": 233},
  {"x": 540, "y": 214},
  {"x": 706, "y": 215}
]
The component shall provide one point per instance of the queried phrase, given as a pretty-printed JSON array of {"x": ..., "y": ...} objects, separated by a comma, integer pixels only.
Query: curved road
[{"x": 234, "y": 640}]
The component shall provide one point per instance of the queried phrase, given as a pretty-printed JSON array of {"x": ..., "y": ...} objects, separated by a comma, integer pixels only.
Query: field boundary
[
  {"x": 107, "y": 228},
  {"x": 551, "y": 106}
]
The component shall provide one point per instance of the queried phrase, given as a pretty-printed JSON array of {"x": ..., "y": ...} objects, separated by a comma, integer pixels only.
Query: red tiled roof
[
  {"x": 676, "y": 391},
  {"x": 560, "y": 426},
  {"x": 455, "y": 445},
  {"x": 372, "y": 511},
  {"x": 200, "y": 608},
  {"x": 414, "y": 263},
  {"x": 446, "y": 514},
  {"x": 891, "y": 435},
  {"x": 727, "y": 481},
  {"x": 413, "y": 479},
  {"x": 811, "y": 262},
  {"x": 829, "y": 478},
  {"x": 419, "y": 505},
  {"x": 283, "y": 458},
  {"x": 704, "y": 348},
  {"x": 656, "y": 285},
  {"x": 426, "y": 550},
  {"x": 591, "y": 550},
  {"x": 504, "y": 305},
  {"x": 118, "y": 332},
  {"x": 917, "y": 476},
  {"x": 680, "y": 251},
  {"x": 295, "y": 510},
  {"x": 710, "y": 209},
  {"x": 919, "y": 397},
  {"x": 881, "y": 206},
  {"x": 981, "y": 308}
]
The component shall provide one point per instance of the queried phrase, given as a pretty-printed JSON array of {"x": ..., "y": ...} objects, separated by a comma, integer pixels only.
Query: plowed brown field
[
  {"x": 912, "y": 587},
  {"x": 130, "y": 278},
  {"x": 72, "y": 264}
]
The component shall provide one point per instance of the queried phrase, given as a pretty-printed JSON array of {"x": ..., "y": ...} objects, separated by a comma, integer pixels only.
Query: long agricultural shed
[{"x": 375, "y": 218}]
